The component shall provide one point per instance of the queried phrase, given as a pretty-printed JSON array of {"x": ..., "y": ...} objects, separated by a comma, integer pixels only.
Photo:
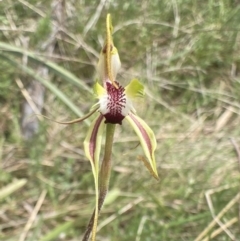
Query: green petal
[
  {"x": 147, "y": 140},
  {"x": 98, "y": 90},
  {"x": 92, "y": 143},
  {"x": 134, "y": 89},
  {"x": 92, "y": 111}
]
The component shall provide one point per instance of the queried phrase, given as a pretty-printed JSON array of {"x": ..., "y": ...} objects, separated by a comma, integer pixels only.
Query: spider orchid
[{"x": 114, "y": 106}]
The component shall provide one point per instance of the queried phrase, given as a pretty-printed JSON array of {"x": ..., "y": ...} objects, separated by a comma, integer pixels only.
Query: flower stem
[
  {"x": 104, "y": 178},
  {"x": 105, "y": 171}
]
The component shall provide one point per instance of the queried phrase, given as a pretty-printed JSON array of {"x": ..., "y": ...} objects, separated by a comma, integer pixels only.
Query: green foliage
[
  {"x": 42, "y": 32},
  {"x": 7, "y": 78}
]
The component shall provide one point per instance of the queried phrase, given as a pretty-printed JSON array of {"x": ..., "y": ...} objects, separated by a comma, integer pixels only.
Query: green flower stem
[
  {"x": 105, "y": 171},
  {"x": 104, "y": 177}
]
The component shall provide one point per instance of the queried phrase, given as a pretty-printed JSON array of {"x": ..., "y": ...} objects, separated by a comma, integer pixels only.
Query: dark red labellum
[{"x": 116, "y": 102}]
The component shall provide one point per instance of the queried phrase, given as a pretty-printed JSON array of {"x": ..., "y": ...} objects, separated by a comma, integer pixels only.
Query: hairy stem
[{"x": 104, "y": 177}]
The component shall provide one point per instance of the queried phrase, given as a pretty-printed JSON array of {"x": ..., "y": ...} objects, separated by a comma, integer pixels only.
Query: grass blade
[
  {"x": 58, "y": 70},
  {"x": 47, "y": 84},
  {"x": 12, "y": 187},
  {"x": 54, "y": 234}
]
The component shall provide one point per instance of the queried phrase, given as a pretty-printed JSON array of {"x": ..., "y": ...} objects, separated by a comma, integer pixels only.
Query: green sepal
[
  {"x": 92, "y": 142},
  {"x": 147, "y": 140},
  {"x": 98, "y": 90},
  {"x": 92, "y": 147},
  {"x": 134, "y": 89}
]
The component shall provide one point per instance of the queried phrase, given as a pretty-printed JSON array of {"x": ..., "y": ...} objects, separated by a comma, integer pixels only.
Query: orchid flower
[{"x": 114, "y": 106}]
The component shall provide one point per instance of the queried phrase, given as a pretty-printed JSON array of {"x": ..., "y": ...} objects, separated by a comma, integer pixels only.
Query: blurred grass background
[{"x": 187, "y": 54}]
